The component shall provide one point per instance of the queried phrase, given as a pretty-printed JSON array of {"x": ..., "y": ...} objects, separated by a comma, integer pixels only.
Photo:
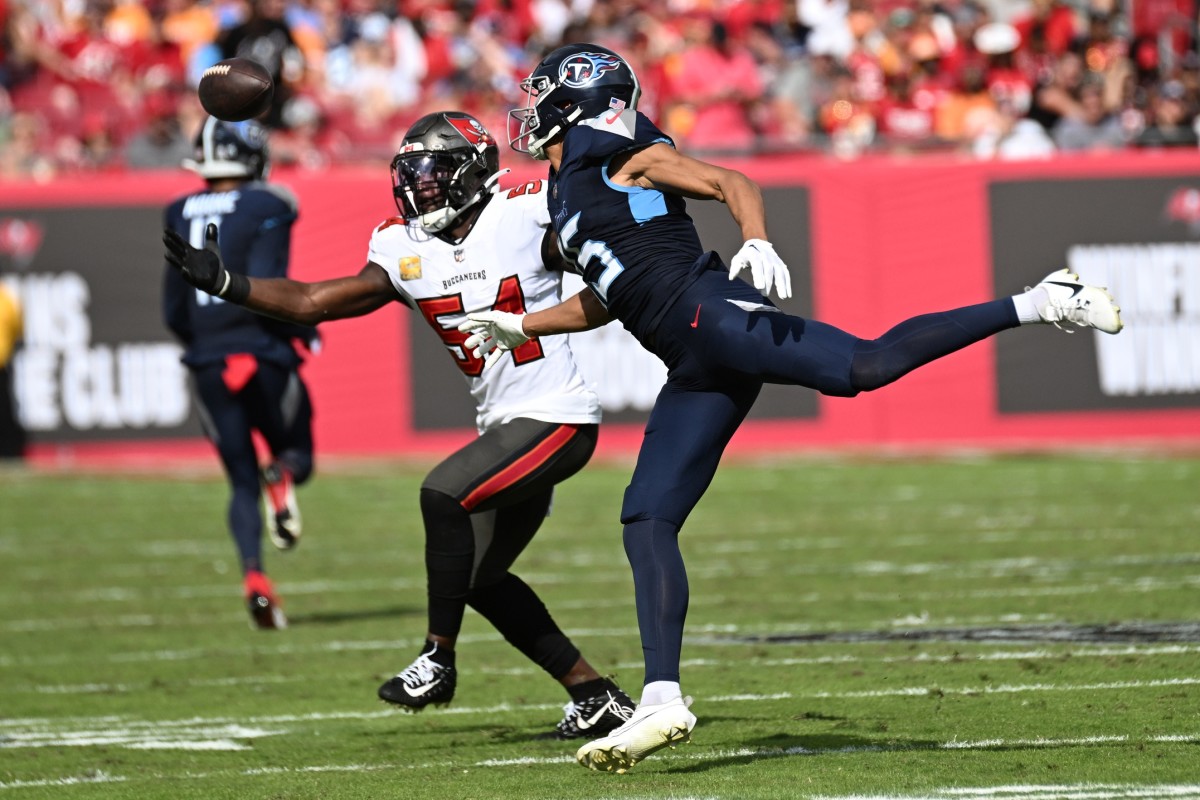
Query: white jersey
[{"x": 498, "y": 266}]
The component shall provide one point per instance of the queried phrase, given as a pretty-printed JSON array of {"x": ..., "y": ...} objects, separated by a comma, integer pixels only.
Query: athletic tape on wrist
[{"x": 236, "y": 288}]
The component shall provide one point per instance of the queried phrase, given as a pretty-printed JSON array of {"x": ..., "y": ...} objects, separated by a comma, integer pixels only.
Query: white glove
[
  {"x": 493, "y": 333},
  {"x": 766, "y": 268}
]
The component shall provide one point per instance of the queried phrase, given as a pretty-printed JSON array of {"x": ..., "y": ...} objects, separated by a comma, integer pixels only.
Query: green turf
[{"x": 125, "y": 645}]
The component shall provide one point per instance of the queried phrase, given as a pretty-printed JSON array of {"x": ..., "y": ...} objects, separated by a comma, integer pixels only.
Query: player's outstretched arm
[
  {"x": 662, "y": 167},
  {"x": 582, "y": 312},
  {"x": 281, "y": 298},
  {"x": 493, "y": 333}
]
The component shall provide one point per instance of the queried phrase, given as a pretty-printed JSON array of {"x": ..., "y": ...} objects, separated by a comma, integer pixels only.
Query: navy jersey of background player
[
  {"x": 254, "y": 225},
  {"x": 623, "y": 237}
]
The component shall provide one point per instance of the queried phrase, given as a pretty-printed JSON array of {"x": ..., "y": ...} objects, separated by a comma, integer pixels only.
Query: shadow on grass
[
  {"x": 338, "y": 617},
  {"x": 788, "y": 746}
]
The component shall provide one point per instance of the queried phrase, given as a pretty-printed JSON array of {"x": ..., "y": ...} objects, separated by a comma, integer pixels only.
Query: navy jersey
[
  {"x": 637, "y": 248},
  {"x": 254, "y": 226}
]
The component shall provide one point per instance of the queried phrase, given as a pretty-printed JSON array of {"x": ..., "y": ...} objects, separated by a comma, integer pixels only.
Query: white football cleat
[
  {"x": 650, "y": 729},
  {"x": 1072, "y": 300}
]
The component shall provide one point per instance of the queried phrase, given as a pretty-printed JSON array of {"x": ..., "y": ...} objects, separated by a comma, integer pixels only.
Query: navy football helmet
[
  {"x": 447, "y": 163},
  {"x": 574, "y": 83},
  {"x": 230, "y": 150}
]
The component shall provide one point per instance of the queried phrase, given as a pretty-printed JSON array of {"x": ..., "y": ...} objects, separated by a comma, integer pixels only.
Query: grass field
[{"x": 1013, "y": 627}]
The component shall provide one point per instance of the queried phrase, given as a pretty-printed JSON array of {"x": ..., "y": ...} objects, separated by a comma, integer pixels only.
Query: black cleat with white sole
[
  {"x": 422, "y": 683},
  {"x": 595, "y": 716}
]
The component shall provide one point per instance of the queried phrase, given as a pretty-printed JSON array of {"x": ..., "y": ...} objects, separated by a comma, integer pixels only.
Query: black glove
[{"x": 203, "y": 268}]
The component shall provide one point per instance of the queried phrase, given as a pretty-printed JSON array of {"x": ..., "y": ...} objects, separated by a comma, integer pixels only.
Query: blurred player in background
[
  {"x": 244, "y": 366},
  {"x": 458, "y": 247},
  {"x": 616, "y": 191}
]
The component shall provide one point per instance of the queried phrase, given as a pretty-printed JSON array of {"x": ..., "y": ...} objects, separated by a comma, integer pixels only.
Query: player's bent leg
[
  {"x": 507, "y": 465},
  {"x": 519, "y": 615},
  {"x": 650, "y": 729},
  {"x": 282, "y": 412},
  {"x": 597, "y": 705},
  {"x": 282, "y": 512},
  {"x": 507, "y": 602}
]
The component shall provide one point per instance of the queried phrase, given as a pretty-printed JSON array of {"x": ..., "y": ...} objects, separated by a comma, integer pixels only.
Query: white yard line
[
  {"x": 1138, "y": 585},
  {"x": 1011, "y": 655},
  {"x": 694, "y": 753},
  {"x": 1082, "y": 791},
  {"x": 16, "y": 732},
  {"x": 919, "y": 691},
  {"x": 98, "y": 777},
  {"x": 149, "y": 736},
  {"x": 965, "y": 570}
]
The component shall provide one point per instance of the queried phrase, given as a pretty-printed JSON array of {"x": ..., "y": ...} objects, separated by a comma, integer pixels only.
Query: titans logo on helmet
[{"x": 582, "y": 69}]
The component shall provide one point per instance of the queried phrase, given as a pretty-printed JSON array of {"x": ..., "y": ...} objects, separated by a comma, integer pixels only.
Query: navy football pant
[
  {"x": 481, "y": 508},
  {"x": 267, "y": 398},
  {"x": 719, "y": 355}
]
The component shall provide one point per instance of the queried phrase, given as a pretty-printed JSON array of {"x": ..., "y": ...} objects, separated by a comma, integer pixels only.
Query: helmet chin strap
[
  {"x": 492, "y": 184},
  {"x": 438, "y": 221},
  {"x": 538, "y": 149}
]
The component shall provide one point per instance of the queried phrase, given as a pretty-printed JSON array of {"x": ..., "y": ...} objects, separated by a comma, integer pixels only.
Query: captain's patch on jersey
[{"x": 410, "y": 268}]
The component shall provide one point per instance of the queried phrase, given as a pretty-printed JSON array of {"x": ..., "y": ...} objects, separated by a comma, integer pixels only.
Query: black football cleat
[
  {"x": 422, "y": 683},
  {"x": 596, "y": 716}
]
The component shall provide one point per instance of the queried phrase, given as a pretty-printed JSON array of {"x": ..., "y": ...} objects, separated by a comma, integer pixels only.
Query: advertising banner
[
  {"x": 96, "y": 362},
  {"x": 869, "y": 243},
  {"x": 1141, "y": 238}
]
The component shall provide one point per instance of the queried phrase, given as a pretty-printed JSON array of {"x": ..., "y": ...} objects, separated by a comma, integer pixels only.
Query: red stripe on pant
[{"x": 522, "y": 467}]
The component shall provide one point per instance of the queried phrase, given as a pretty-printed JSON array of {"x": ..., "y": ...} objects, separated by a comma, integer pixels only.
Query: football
[{"x": 236, "y": 89}]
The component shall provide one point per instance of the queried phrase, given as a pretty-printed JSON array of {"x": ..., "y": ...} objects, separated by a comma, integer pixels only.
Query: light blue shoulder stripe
[{"x": 644, "y": 204}]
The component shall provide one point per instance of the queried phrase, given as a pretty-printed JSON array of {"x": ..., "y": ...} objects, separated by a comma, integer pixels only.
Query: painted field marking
[
  {"x": 1066, "y": 792},
  {"x": 918, "y": 691},
  {"x": 698, "y": 753},
  {"x": 40, "y": 732},
  {"x": 96, "y": 777},
  {"x": 697, "y": 636},
  {"x": 1141, "y": 585},
  {"x": 914, "y": 658},
  {"x": 1079, "y": 791},
  {"x": 147, "y": 736},
  {"x": 980, "y": 568}
]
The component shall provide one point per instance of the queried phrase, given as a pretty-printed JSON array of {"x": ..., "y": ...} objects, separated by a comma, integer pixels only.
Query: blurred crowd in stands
[{"x": 110, "y": 84}]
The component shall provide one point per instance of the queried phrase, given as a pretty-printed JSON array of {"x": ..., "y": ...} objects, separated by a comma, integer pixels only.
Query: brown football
[{"x": 236, "y": 89}]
